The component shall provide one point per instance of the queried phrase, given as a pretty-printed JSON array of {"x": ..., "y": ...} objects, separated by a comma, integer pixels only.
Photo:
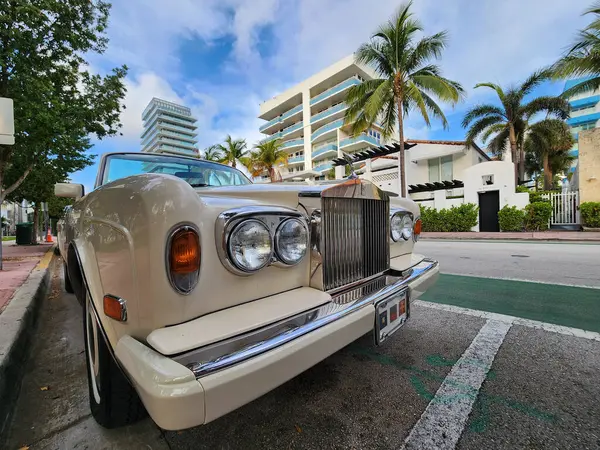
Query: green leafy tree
[
  {"x": 58, "y": 103},
  {"x": 583, "y": 59},
  {"x": 266, "y": 157},
  {"x": 233, "y": 150},
  {"x": 407, "y": 80},
  {"x": 212, "y": 153},
  {"x": 547, "y": 145},
  {"x": 39, "y": 187},
  {"x": 507, "y": 122}
]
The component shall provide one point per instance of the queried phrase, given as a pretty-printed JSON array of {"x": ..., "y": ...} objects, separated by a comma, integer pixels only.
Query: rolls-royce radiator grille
[{"x": 354, "y": 239}]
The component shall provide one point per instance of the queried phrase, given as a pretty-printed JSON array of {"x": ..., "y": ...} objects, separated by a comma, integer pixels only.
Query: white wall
[{"x": 504, "y": 182}]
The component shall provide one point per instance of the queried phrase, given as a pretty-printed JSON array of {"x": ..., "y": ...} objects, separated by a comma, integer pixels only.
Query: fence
[{"x": 565, "y": 207}]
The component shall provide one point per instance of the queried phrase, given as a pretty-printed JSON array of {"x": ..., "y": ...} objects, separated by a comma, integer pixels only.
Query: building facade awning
[
  {"x": 370, "y": 153},
  {"x": 436, "y": 186}
]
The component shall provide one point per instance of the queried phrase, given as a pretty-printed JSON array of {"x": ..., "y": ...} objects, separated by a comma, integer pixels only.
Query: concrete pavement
[{"x": 541, "y": 391}]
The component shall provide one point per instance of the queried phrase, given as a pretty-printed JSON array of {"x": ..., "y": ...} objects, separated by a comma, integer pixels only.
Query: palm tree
[
  {"x": 508, "y": 122},
  {"x": 407, "y": 80},
  {"x": 547, "y": 144},
  {"x": 266, "y": 157},
  {"x": 234, "y": 150},
  {"x": 213, "y": 153},
  {"x": 583, "y": 59}
]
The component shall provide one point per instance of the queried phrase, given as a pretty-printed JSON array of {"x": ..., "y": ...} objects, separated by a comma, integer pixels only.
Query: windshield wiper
[{"x": 199, "y": 184}]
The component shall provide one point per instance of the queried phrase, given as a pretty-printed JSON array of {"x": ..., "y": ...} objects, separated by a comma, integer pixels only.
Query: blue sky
[{"x": 223, "y": 58}]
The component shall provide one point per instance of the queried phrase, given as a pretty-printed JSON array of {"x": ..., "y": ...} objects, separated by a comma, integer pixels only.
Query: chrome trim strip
[{"x": 212, "y": 358}]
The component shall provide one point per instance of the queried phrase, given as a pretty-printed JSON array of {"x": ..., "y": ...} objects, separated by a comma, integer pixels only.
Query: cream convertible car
[{"x": 202, "y": 291}]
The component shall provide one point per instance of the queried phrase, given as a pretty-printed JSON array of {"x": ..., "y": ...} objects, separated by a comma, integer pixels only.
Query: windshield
[{"x": 198, "y": 173}]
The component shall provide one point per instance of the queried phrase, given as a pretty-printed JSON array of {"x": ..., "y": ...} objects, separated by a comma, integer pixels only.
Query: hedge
[
  {"x": 537, "y": 216},
  {"x": 590, "y": 214},
  {"x": 458, "y": 218},
  {"x": 511, "y": 218}
]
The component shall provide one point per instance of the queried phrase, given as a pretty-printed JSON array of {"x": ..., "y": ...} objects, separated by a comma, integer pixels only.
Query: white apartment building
[
  {"x": 309, "y": 119},
  {"x": 169, "y": 128}
]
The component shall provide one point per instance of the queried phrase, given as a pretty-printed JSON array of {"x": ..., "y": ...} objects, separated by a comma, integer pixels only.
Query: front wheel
[{"x": 113, "y": 401}]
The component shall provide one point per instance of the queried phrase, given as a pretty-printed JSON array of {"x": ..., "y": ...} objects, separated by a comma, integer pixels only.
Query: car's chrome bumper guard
[{"x": 221, "y": 355}]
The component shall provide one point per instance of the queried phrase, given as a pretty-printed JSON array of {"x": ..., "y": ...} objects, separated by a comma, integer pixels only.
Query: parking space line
[
  {"x": 576, "y": 332},
  {"x": 443, "y": 421}
]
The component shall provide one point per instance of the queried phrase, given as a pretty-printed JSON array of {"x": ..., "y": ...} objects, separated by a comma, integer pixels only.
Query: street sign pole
[{"x": 7, "y": 137}]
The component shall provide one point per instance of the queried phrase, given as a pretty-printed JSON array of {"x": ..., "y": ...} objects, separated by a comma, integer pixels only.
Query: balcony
[
  {"x": 324, "y": 151},
  {"x": 355, "y": 143},
  {"x": 321, "y": 132},
  {"x": 580, "y": 120},
  {"x": 328, "y": 113},
  {"x": 323, "y": 167},
  {"x": 287, "y": 131},
  {"x": 280, "y": 119},
  {"x": 296, "y": 160},
  {"x": 335, "y": 90},
  {"x": 293, "y": 143}
]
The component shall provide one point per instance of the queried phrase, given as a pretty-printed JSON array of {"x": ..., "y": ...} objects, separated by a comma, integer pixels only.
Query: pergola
[
  {"x": 370, "y": 153},
  {"x": 435, "y": 186}
]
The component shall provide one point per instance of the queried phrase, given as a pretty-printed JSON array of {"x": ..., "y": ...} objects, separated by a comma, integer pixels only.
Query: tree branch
[{"x": 6, "y": 192}]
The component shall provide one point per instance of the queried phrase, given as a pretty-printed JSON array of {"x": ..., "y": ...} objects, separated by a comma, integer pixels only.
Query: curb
[
  {"x": 17, "y": 324},
  {"x": 507, "y": 239}
]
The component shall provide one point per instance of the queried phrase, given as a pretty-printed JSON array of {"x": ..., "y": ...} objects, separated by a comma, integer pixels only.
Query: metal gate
[{"x": 565, "y": 207}]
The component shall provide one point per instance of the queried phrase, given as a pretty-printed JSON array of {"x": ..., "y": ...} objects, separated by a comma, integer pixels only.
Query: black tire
[
  {"x": 68, "y": 285},
  {"x": 113, "y": 401}
]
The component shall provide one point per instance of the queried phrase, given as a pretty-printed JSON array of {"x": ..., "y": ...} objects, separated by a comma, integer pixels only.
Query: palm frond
[
  {"x": 534, "y": 80},
  {"x": 446, "y": 90},
  {"x": 481, "y": 125},
  {"x": 492, "y": 129},
  {"x": 580, "y": 88},
  {"x": 481, "y": 111},
  {"x": 556, "y": 106},
  {"x": 413, "y": 93},
  {"x": 498, "y": 144},
  {"x": 427, "y": 48},
  {"x": 493, "y": 86},
  {"x": 435, "y": 110}
]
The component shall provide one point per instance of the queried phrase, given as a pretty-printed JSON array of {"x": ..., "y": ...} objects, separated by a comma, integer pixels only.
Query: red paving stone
[
  {"x": 587, "y": 236},
  {"x": 18, "y": 261}
]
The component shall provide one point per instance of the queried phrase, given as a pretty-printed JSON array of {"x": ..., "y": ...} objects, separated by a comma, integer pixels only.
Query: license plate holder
[{"x": 390, "y": 315}]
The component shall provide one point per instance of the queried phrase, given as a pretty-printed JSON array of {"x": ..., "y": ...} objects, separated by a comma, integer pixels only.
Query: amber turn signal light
[
  {"x": 185, "y": 252},
  {"x": 115, "y": 308},
  {"x": 417, "y": 228}
]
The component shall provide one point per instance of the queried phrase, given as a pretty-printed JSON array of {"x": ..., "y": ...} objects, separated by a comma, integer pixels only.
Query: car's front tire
[
  {"x": 68, "y": 285},
  {"x": 113, "y": 401}
]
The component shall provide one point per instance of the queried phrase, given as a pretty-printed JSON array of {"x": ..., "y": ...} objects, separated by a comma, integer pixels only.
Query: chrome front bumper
[{"x": 227, "y": 353}]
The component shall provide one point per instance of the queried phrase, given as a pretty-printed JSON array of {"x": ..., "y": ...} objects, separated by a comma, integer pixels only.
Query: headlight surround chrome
[
  {"x": 407, "y": 227},
  {"x": 250, "y": 245},
  {"x": 396, "y": 226},
  {"x": 291, "y": 241},
  {"x": 272, "y": 217}
]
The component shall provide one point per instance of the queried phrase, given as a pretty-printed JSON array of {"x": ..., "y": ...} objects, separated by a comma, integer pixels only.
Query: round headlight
[
  {"x": 396, "y": 227},
  {"x": 407, "y": 227},
  {"x": 250, "y": 246},
  {"x": 291, "y": 241}
]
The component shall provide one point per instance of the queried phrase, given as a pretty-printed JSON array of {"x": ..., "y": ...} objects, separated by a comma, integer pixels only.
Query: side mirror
[{"x": 70, "y": 190}]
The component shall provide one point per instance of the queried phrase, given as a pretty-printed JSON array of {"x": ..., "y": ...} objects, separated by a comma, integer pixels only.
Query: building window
[{"x": 440, "y": 169}]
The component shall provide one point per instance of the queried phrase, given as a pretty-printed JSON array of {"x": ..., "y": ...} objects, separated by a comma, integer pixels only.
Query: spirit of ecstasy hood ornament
[{"x": 349, "y": 160}]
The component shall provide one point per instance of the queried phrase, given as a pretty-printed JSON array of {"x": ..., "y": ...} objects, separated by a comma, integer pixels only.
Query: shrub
[
  {"x": 511, "y": 218},
  {"x": 537, "y": 216},
  {"x": 457, "y": 218},
  {"x": 590, "y": 214},
  {"x": 536, "y": 197},
  {"x": 522, "y": 189}
]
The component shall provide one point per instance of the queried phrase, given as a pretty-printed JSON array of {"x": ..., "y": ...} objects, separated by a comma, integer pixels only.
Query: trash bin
[{"x": 24, "y": 234}]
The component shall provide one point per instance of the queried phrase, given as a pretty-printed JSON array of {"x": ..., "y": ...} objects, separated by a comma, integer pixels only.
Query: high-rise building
[
  {"x": 309, "y": 119},
  {"x": 585, "y": 113},
  {"x": 169, "y": 128}
]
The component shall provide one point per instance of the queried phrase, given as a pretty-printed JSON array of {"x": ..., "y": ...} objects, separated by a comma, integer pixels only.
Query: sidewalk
[
  {"x": 18, "y": 261},
  {"x": 581, "y": 236}
]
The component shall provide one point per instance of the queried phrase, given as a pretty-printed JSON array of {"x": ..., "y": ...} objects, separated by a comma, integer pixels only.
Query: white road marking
[
  {"x": 576, "y": 332},
  {"x": 585, "y": 286},
  {"x": 444, "y": 420}
]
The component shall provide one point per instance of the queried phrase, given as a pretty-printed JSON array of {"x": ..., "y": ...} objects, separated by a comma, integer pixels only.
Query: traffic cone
[{"x": 49, "y": 236}]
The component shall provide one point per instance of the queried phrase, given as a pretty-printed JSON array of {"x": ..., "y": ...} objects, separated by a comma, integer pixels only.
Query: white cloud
[{"x": 494, "y": 41}]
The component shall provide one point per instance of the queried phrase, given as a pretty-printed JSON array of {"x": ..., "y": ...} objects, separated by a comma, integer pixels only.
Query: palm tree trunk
[
  {"x": 521, "y": 163},
  {"x": 401, "y": 161},
  {"x": 233, "y": 162},
  {"x": 547, "y": 173},
  {"x": 512, "y": 138}
]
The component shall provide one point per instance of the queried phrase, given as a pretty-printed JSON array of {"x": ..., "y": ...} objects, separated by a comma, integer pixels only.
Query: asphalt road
[
  {"x": 540, "y": 392},
  {"x": 554, "y": 263}
]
